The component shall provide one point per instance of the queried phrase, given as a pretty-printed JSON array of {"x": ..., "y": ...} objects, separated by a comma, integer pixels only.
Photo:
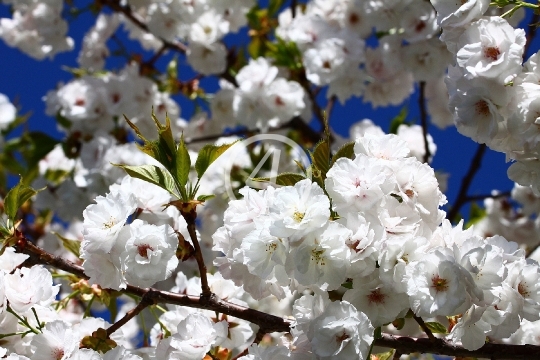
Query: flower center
[
  {"x": 376, "y": 297},
  {"x": 298, "y": 216},
  {"x": 492, "y": 53},
  {"x": 109, "y": 224},
  {"x": 439, "y": 284},
  {"x": 143, "y": 250},
  {"x": 482, "y": 108},
  {"x": 317, "y": 256},
  {"x": 523, "y": 289},
  {"x": 341, "y": 338}
]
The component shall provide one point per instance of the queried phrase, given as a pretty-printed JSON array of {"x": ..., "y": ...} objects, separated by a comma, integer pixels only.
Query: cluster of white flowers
[
  {"x": 493, "y": 96},
  {"x": 370, "y": 231},
  {"x": 37, "y": 28},
  {"x": 141, "y": 252},
  {"x": 330, "y": 35},
  {"x": 94, "y": 103},
  {"x": 202, "y": 23},
  {"x": 380, "y": 227},
  {"x": 262, "y": 97}
]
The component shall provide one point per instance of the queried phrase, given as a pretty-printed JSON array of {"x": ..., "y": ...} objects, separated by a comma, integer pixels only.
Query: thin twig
[
  {"x": 293, "y": 8},
  {"x": 533, "y": 24},
  {"x": 476, "y": 162},
  {"x": 143, "y": 304},
  {"x": 295, "y": 123},
  {"x": 423, "y": 119},
  {"x": 424, "y": 327},
  {"x": 156, "y": 56},
  {"x": 126, "y": 10},
  {"x": 487, "y": 196},
  {"x": 190, "y": 216}
]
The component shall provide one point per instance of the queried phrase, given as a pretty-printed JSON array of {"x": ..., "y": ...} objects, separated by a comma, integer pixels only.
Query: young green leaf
[
  {"x": 436, "y": 327},
  {"x": 285, "y": 179},
  {"x": 183, "y": 163},
  {"x": 152, "y": 174},
  {"x": 321, "y": 157},
  {"x": 166, "y": 139},
  {"x": 73, "y": 246},
  {"x": 207, "y": 155},
  {"x": 346, "y": 150},
  {"x": 16, "y": 197}
]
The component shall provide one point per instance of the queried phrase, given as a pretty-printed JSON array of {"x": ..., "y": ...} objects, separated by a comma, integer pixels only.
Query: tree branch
[
  {"x": 407, "y": 345},
  {"x": 270, "y": 323},
  {"x": 423, "y": 120},
  {"x": 424, "y": 327},
  {"x": 126, "y": 10},
  {"x": 466, "y": 182},
  {"x": 267, "y": 322}
]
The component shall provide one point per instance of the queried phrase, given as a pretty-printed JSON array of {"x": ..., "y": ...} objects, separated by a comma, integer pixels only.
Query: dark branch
[
  {"x": 407, "y": 345},
  {"x": 424, "y": 327},
  {"x": 466, "y": 182},
  {"x": 269, "y": 323},
  {"x": 423, "y": 119}
]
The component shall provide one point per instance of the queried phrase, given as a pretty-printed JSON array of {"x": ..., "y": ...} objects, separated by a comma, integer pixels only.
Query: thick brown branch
[
  {"x": 269, "y": 323},
  {"x": 407, "y": 345}
]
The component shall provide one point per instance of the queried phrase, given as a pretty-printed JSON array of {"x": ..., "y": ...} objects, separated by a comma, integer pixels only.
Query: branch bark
[
  {"x": 466, "y": 182},
  {"x": 407, "y": 345}
]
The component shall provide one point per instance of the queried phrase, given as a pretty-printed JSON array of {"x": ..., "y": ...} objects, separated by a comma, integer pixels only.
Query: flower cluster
[
  {"x": 140, "y": 253},
  {"x": 378, "y": 227},
  {"x": 36, "y": 28},
  {"x": 354, "y": 244},
  {"x": 262, "y": 97}
]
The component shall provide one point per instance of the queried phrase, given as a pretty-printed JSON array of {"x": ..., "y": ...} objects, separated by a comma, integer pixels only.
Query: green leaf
[
  {"x": 346, "y": 150},
  {"x": 399, "y": 323},
  {"x": 476, "y": 213},
  {"x": 284, "y": 179},
  {"x": 73, "y": 246},
  {"x": 16, "y": 197},
  {"x": 152, "y": 174},
  {"x": 207, "y": 155},
  {"x": 39, "y": 145},
  {"x": 63, "y": 121},
  {"x": 347, "y": 284},
  {"x": 205, "y": 197},
  {"x": 274, "y": 6},
  {"x": 321, "y": 157},
  {"x": 377, "y": 334},
  {"x": 166, "y": 140},
  {"x": 183, "y": 163},
  {"x": 255, "y": 47},
  {"x": 398, "y": 120},
  {"x": 436, "y": 327},
  {"x": 284, "y": 53},
  {"x": 385, "y": 355}
]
